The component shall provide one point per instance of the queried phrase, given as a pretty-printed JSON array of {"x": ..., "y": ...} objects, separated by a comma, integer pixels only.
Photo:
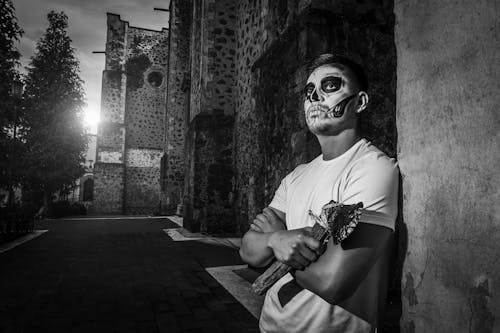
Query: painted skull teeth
[{"x": 336, "y": 111}]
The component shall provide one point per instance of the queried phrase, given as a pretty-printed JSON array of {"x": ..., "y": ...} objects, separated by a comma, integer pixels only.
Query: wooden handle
[
  {"x": 275, "y": 272},
  {"x": 278, "y": 269}
]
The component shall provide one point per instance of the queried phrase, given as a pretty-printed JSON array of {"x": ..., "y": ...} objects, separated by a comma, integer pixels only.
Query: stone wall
[
  {"x": 108, "y": 186},
  {"x": 131, "y": 132},
  {"x": 208, "y": 202},
  {"x": 146, "y": 68},
  {"x": 209, "y": 183},
  {"x": 447, "y": 92},
  {"x": 274, "y": 41},
  {"x": 179, "y": 83}
]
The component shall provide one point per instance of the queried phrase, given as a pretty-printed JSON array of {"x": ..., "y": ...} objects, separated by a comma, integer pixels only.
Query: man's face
[{"x": 326, "y": 87}]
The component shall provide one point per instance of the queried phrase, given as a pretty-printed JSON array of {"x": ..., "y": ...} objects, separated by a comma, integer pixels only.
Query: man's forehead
[{"x": 329, "y": 69}]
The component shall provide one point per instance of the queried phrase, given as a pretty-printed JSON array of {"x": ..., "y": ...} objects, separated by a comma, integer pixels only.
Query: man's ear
[{"x": 362, "y": 101}]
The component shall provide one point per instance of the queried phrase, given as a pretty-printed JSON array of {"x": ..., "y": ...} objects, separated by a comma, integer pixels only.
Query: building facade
[
  {"x": 231, "y": 127},
  {"x": 131, "y": 130}
]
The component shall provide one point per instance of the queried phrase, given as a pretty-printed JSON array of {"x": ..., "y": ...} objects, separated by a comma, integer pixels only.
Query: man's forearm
[{"x": 255, "y": 250}]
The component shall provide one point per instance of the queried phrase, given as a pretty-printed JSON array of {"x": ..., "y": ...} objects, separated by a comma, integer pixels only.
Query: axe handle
[{"x": 278, "y": 269}]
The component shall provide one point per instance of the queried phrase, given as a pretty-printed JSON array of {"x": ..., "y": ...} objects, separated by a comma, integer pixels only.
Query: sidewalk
[{"x": 120, "y": 275}]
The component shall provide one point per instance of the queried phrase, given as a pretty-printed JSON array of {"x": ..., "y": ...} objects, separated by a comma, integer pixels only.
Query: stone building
[
  {"x": 131, "y": 132},
  {"x": 233, "y": 128},
  {"x": 234, "y": 114}
]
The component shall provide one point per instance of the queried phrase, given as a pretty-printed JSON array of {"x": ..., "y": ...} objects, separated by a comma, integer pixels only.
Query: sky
[{"x": 87, "y": 29}]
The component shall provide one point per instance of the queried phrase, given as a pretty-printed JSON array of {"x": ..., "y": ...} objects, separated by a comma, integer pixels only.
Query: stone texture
[
  {"x": 275, "y": 40},
  {"x": 448, "y": 122},
  {"x": 208, "y": 195},
  {"x": 108, "y": 187},
  {"x": 178, "y": 95},
  {"x": 131, "y": 132}
]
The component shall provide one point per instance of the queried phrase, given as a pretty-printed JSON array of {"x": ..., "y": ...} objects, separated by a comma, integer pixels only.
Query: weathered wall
[
  {"x": 145, "y": 66},
  {"x": 208, "y": 200},
  {"x": 274, "y": 41},
  {"x": 108, "y": 190},
  {"x": 448, "y": 149},
  {"x": 209, "y": 183},
  {"x": 179, "y": 83},
  {"x": 131, "y": 132}
]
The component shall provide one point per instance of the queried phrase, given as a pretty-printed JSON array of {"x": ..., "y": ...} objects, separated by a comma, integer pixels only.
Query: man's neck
[{"x": 335, "y": 145}]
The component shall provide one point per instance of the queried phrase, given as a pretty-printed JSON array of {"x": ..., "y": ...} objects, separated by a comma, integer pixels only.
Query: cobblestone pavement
[{"x": 116, "y": 276}]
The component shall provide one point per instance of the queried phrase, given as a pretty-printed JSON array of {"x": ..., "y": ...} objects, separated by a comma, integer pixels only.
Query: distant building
[
  {"x": 204, "y": 119},
  {"x": 86, "y": 182},
  {"x": 131, "y": 131},
  {"x": 83, "y": 190}
]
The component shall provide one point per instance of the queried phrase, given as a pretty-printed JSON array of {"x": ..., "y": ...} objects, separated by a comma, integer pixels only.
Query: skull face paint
[
  {"x": 338, "y": 110},
  {"x": 327, "y": 95},
  {"x": 328, "y": 85}
]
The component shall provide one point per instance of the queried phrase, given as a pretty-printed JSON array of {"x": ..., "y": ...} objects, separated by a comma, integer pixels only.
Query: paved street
[{"x": 112, "y": 275}]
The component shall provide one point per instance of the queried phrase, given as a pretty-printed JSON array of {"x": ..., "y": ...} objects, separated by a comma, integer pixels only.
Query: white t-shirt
[{"x": 363, "y": 173}]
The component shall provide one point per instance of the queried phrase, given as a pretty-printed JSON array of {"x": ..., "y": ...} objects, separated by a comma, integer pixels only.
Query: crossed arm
[{"x": 335, "y": 275}]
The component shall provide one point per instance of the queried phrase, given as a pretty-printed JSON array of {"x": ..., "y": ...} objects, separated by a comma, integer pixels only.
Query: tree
[
  {"x": 10, "y": 33},
  {"x": 54, "y": 133}
]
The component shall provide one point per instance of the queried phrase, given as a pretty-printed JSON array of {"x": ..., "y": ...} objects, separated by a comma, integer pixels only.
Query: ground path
[{"x": 116, "y": 275}]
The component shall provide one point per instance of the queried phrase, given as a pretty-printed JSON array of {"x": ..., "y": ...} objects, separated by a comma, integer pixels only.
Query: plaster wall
[{"x": 448, "y": 150}]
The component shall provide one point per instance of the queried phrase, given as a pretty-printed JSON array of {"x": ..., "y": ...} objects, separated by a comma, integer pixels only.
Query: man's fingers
[
  {"x": 255, "y": 227},
  {"x": 312, "y": 243},
  {"x": 307, "y": 253},
  {"x": 259, "y": 223},
  {"x": 297, "y": 262},
  {"x": 272, "y": 216},
  {"x": 262, "y": 218}
]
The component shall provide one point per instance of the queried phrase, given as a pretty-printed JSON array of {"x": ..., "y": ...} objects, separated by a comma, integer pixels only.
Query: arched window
[{"x": 88, "y": 190}]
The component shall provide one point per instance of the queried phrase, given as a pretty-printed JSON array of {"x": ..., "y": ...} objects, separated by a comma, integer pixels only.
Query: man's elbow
[
  {"x": 245, "y": 257},
  {"x": 248, "y": 254},
  {"x": 252, "y": 260}
]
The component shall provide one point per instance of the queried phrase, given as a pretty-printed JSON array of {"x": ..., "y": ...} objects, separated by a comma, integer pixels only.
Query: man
[{"x": 343, "y": 289}]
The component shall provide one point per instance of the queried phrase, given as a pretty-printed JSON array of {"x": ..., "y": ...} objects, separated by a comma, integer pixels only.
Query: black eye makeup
[
  {"x": 308, "y": 90},
  {"x": 329, "y": 84}
]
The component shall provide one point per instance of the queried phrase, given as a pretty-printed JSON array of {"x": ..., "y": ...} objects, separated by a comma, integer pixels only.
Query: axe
[{"x": 336, "y": 221}]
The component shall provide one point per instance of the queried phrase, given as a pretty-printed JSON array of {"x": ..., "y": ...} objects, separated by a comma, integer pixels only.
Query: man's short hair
[{"x": 332, "y": 59}]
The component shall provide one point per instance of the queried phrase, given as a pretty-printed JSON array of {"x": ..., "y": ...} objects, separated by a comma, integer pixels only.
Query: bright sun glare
[{"x": 91, "y": 119}]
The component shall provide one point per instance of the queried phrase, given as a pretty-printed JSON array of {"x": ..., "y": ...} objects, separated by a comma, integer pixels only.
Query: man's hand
[
  {"x": 268, "y": 221},
  {"x": 295, "y": 248}
]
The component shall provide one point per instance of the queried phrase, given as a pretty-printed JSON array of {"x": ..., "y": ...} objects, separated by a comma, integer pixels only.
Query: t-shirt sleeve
[
  {"x": 279, "y": 200},
  {"x": 374, "y": 182}
]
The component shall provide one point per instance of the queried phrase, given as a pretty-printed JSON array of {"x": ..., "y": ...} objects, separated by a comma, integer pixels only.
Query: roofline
[{"x": 163, "y": 29}]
